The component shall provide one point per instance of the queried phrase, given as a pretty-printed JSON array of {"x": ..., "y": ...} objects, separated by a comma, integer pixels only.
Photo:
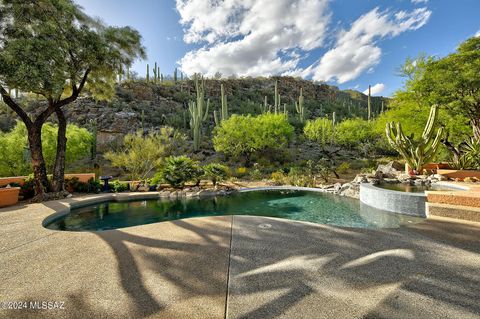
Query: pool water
[
  {"x": 295, "y": 205},
  {"x": 400, "y": 187}
]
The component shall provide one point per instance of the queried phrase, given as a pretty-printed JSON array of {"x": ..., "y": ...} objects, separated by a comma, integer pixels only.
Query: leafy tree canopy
[{"x": 50, "y": 46}]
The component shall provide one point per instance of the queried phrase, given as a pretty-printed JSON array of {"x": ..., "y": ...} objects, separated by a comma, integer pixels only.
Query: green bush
[
  {"x": 178, "y": 170},
  {"x": 278, "y": 178},
  {"x": 320, "y": 130},
  {"x": 246, "y": 135},
  {"x": 351, "y": 132},
  {"x": 119, "y": 187},
  {"x": 74, "y": 185},
  {"x": 143, "y": 154},
  {"x": 343, "y": 168},
  {"x": 15, "y": 152},
  {"x": 215, "y": 172}
]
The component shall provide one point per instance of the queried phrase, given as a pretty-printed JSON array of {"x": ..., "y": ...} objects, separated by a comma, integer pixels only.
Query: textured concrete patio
[{"x": 239, "y": 267}]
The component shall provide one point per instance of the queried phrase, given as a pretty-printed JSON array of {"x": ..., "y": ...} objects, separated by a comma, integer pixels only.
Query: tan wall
[
  {"x": 432, "y": 167},
  {"x": 453, "y": 173},
  {"x": 4, "y": 181}
]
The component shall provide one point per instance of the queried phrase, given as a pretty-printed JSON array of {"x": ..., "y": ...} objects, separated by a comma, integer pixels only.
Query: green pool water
[{"x": 295, "y": 205}]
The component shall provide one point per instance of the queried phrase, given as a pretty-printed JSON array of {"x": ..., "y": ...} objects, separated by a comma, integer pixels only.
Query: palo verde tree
[
  {"x": 452, "y": 82},
  {"x": 52, "y": 49}
]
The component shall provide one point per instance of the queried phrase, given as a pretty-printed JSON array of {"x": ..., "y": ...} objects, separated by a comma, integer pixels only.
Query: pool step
[
  {"x": 453, "y": 211},
  {"x": 460, "y": 198}
]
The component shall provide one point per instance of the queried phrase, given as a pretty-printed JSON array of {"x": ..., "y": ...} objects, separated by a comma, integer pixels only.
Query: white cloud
[
  {"x": 477, "y": 34},
  {"x": 262, "y": 37},
  {"x": 356, "y": 51},
  {"x": 375, "y": 89},
  {"x": 419, "y": 1},
  {"x": 248, "y": 37}
]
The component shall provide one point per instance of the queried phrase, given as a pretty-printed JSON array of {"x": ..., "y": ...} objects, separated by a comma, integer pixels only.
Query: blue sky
[{"x": 348, "y": 43}]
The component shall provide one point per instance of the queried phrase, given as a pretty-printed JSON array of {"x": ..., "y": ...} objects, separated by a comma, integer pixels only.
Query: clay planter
[{"x": 9, "y": 196}]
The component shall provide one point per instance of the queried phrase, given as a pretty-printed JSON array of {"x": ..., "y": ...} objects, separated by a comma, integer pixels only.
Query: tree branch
[
  {"x": 76, "y": 91},
  {"x": 15, "y": 107}
]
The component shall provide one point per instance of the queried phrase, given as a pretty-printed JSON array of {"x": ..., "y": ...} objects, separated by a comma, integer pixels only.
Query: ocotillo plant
[
  {"x": 148, "y": 73},
  {"x": 299, "y": 107},
  {"x": 224, "y": 112},
  {"x": 197, "y": 112},
  {"x": 369, "y": 106},
  {"x": 416, "y": 154}
]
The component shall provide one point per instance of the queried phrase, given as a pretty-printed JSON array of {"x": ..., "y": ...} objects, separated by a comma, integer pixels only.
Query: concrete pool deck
[{"x": 239, "y": 267}]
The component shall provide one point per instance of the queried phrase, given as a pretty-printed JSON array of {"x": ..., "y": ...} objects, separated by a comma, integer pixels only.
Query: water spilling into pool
[
  {"x": 295, "y": 205},
  {"x": 403, "y": 187}
]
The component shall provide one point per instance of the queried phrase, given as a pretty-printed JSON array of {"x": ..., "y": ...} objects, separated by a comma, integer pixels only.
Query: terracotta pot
[{"x": 9, "y": 196}]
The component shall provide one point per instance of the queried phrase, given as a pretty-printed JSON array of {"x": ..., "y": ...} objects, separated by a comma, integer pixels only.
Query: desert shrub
[
  {"x": 143, "y": 154},
  {"x": 215, "y": 172},
  {"x": 246, "y": 135},
  {"x": 119, "y": 187},
  {"x": 241, "y": 172},
  {"x": 178, "y": 170},
  {"x": 256, "y": 174},
  {"x": 73, "y": 184},
  {"x": 351, "y": 132},
  {"x": 278, "y": 178},
  {"x": 299, "y": 176},
  {"x": 343, "y": 168},
  {"x": 320, "y": 130}
]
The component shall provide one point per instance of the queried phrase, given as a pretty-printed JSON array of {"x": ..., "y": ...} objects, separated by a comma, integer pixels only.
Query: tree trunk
[
  {"x": 476, "y": 128},
  {"x": 58, "y": 181},
  {"x": 38, "y": 162}
]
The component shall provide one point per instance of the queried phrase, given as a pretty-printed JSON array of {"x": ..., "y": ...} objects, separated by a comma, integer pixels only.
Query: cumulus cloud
[
  {"x": 261, "y": 37},
  {"x": 248, "y": 37},
  {"x": 356, "y": 49},
  {"x": 477, "y": 34},
  {"x": 419, "y": 1},
  {"x": 375, "y": 89}
]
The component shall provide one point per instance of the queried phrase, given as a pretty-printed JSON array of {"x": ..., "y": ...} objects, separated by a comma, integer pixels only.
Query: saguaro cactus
[
  {"x": 277, "y": 98},
  {"x": 148, "y": 73},
  {"x": 155, "y": 75},
  {"x": 369, "y": 103},
  {"x": 224, "y": 112},
  {"x": 197, "y": 112},
  {"x": 175, "y": 75},
  {"x": 416, "y": 154},
  {"x": 299, "y": 107}
]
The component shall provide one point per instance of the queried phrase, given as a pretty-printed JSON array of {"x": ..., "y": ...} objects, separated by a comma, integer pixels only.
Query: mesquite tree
[{"x": 51, "y": 48}]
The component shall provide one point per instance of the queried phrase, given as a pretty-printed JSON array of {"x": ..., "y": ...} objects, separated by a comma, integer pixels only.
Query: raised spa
[{"x": 290, "y": 204}]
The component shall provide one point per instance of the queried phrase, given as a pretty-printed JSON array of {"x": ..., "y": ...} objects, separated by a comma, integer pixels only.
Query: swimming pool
[{"x": 290, "y": 204}]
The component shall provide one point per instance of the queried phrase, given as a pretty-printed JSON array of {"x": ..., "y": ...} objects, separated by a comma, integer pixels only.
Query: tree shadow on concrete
[{"x": 329, "y": 267}]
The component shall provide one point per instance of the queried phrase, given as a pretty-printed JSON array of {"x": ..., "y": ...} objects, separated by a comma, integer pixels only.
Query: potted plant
[{"x": 9, "y": 195}]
